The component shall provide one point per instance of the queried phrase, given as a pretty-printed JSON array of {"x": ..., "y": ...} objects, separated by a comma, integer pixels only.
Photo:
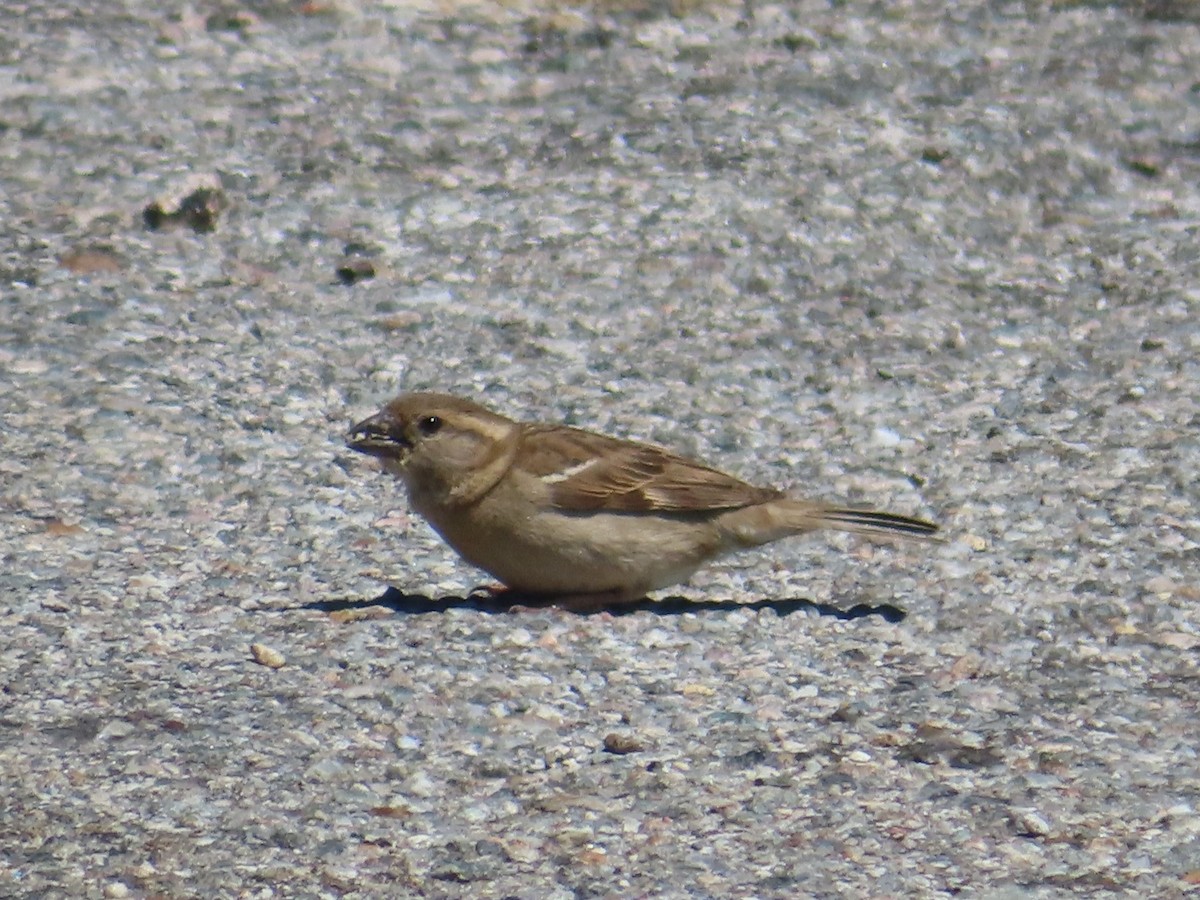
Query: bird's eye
[{"x": 428, "y": 425}]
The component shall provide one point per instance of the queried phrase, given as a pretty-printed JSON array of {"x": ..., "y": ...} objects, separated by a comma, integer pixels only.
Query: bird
[{"x": 577, "y": 519}]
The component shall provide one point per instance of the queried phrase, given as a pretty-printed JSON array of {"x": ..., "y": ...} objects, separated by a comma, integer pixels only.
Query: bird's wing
[{"x": 587, "y": 472}]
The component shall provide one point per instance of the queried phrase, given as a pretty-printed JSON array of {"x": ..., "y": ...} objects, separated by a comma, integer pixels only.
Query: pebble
[{"x": 267, "y": 656}]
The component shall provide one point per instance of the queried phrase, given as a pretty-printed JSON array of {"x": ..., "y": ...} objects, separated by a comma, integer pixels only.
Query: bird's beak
[{"x": 380, "y": 436}]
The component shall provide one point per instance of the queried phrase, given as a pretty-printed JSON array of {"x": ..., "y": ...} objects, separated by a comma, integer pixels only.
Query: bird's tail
[
  {"x": 870, "y": 522},
  {"x": 765, "y": 522}
]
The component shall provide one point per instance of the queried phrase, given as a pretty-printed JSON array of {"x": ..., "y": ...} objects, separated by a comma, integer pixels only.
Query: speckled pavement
[{"x": 943, "y": 263}]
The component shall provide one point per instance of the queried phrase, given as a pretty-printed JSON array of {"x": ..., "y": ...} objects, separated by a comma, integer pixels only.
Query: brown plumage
[
  {"x": 605, "y": 473},
  {"x": 582, "y": 517}
]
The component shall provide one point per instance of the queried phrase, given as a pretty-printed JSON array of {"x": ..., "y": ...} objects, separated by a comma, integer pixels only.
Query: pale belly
[{"x": 586, "y": 553}]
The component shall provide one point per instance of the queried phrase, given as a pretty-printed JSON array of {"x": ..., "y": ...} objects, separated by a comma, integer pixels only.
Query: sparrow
[{"x": 576, "y": 518}]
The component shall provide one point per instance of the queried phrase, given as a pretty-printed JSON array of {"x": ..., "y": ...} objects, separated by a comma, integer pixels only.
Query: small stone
[
  {"x": 401, "y": 321},
  {"x": 391, "y": 812},
  {"x": 350, "y": 271},
  {"x": 267, "y": 656},
  {"x": 197, "y": 204},
  {"x": 53, "y": 603},
  {"x": 1177, "y": 640},
  {"x": 59, "y": 528},
  {"x": 1160, "y": 584},
  {"x": 885, "y": 437},
  {"x": 359, "y": 614},
  {"x": 91, "y": 260},
  {"x": 593, "y": 856},
  {"x": 1029, "y": 823},
  {"x": 29, "y": 366},
  {"x": 421, "y": 785},
  {"x": 621, "y": 744}
]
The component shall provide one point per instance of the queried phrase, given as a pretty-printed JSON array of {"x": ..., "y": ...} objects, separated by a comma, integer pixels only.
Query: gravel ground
[{"x": 945, "y": 264}]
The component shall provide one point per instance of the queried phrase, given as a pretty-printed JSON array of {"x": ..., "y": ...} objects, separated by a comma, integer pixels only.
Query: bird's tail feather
[
  {"x": 866, "y": 521},
  {"x": 785, "y": 517}
]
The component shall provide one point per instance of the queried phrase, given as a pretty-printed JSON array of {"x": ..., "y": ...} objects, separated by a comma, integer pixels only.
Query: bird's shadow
[{"x": 492, "y": 603}]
